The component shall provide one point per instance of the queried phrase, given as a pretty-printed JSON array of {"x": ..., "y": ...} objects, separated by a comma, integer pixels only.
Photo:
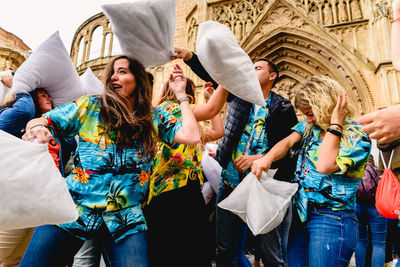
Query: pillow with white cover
[
  {"x": 91, "y": 84},
  {"x": 145, "y": 29},
  {"x": 227, "y": 63},
  {"x": 51, "y": 68}
]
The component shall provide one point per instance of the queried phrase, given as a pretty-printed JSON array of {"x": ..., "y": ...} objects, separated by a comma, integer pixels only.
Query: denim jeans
[
  {"x": 372, "y": 229},
  {"x": 52, "y": 246},
  {"x": 229, "y": 233},
  {"x": 327, "y": 239}
]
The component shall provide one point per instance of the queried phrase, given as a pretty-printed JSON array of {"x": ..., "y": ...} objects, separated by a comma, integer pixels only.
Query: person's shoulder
[{"x": 278, "y": 100}]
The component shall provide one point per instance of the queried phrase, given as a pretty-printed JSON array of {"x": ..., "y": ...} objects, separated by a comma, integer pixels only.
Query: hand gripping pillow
[
  {"x": 3, "y": 89},
  {"x": 227, "y": 63},
  {"x": 145, "y": 29},
  {"x": 91, "y": 84},
  {"x": 51, "y": 68},
  {"x": 32, "y": 190},
  {"x": 262, "y": 205}
]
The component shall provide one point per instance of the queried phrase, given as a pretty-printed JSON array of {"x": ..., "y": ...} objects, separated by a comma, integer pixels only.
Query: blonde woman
[{"x": 331, "y": 163}]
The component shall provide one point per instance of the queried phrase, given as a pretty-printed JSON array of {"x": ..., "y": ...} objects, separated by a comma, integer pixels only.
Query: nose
[{"x": 114, "y": 77}]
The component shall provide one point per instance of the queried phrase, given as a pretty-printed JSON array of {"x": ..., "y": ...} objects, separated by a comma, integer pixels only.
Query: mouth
[{"x": 116, "y": 86}]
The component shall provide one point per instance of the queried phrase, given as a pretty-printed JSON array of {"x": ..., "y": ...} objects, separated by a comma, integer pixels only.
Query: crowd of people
[{"x": 133, "y": 167}]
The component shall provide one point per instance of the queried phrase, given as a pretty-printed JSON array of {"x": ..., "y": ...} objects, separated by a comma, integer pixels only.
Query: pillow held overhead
[
  {"x": 51, "y": 68},
  {"x": 227, "y": 63},
  {"x": 145, "y": 29},
  {"x": 91, "y": 84}
]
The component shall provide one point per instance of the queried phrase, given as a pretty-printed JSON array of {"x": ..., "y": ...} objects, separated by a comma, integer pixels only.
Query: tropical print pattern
[
  {"x": 174, "y": 165},
  {"x": 109, "y": 181},
  {"x": 336, "y": 191},
  {"x": 255, "y": 131}
]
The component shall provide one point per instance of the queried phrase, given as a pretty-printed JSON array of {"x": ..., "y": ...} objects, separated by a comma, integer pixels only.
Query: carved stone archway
[{"x": 302, "y": 49}]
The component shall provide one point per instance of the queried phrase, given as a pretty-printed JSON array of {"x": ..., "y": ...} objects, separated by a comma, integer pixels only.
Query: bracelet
[
  {"x": 183, "y": 99},
  {"x": 395, "y": 20},
  {"x": 334, "y": 132},
  {"x": 39, "y": 124},
  {"x": 338, "y": 125}
]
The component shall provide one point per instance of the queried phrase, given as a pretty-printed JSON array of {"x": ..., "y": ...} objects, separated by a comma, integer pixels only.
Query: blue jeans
[
  {"x": 229, "y": 233},
  {"x": 327, "y": 239},
  {"x": 52, "y": 246},
  {"x": 372, "y": 229}
]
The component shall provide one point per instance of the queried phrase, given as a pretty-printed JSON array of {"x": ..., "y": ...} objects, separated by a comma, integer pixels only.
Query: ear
[{"x": 272, "y": 76}]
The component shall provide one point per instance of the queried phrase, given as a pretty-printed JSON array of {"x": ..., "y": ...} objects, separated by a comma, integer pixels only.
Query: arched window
[
  {"x": 80, "y": 52},
  {"x": 97, "y": 40},
  {"x": 107, "y": 49}
]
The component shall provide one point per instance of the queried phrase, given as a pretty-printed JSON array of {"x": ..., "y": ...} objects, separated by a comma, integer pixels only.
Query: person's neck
[{"x": 266, "y": 90}]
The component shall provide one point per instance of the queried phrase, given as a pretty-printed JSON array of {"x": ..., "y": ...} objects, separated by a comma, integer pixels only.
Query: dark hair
[
  {"x": 271, "y": 67},
  {"x": 168, "y": 95},
  {"x": 124, "y": 122},
  {"x": 34, "y": 95}
]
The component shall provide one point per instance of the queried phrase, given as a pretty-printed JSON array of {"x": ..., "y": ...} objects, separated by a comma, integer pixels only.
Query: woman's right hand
[
  {"x": 39, "y": 133},
  {"x": 260, "y": 165},
  {"x": 208, "y": 90},
  {"x": 177, "y": 82}
]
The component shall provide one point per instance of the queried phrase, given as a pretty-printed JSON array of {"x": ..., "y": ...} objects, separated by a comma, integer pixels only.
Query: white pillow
[
  {"x": 262, "y": 205},
  {"x": 227, "y": 63},
  {"x": 91, "y": 84},
  {"x": 32, "y": 190},
  {"x": 51, "y": 68},
  {"x": 145, "y": 29}
]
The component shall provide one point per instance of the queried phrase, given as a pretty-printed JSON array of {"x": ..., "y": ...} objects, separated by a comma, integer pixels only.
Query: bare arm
[
  {"x": 189, "y": 132},
  {"x": 329, "y": 149},
  {"x": 396, "y": 36},
  {"x": 277, "y": 152},
  {"x": 216, "y": 130},
  {"x": 212, "y": 107}
]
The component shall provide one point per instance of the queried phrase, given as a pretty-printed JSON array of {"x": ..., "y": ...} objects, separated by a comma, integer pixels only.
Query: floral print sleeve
[
  {"x": 352, "y": 159},
  {"x": 166, "y": 124},
  {"x": 300, "y": 127},
  {"x": 66, "y": 120}
]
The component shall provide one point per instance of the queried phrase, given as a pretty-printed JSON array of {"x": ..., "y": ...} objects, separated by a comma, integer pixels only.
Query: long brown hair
[
  {"x": 168, "y": 95},
  {"x": 124, "y": 122}
]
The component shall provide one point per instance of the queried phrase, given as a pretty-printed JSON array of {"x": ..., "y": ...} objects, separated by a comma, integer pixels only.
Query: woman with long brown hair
[{"x": 117, "y": 133}]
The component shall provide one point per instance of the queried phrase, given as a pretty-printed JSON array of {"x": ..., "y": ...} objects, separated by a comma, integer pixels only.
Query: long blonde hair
[{"x": 321, "y": 93}]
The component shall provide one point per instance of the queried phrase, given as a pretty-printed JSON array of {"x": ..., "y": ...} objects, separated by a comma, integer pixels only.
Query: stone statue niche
[
  {"x": 355, "y": 10},
  {"x": 342, "y": 12},
  {"x": 313, "y": 13},
  {"x": 327, "y": 13}
]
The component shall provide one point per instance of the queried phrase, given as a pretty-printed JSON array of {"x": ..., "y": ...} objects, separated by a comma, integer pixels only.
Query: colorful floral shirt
[
  {"x": 336, "y": 191},
  {"x": 174, "y": 165},
  {"x": 255, "y": 131},
  {"x": 109, "y": 181}
]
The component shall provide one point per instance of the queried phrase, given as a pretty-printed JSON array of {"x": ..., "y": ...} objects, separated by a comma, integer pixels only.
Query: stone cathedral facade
[{"x": 348, "y": 40}]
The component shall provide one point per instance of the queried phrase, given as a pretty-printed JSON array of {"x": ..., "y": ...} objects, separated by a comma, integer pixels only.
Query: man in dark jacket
[{"x": 250, "y": 131}]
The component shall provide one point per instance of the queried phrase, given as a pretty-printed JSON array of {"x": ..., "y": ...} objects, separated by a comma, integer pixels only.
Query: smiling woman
[{"x": 117, "y": 135}]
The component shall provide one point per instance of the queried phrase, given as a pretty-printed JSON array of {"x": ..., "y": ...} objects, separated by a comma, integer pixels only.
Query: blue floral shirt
[
  {"x": 255, "y": 131},
  {"x": 109, "y": 181},
  {"x": 336, "y": 191}
]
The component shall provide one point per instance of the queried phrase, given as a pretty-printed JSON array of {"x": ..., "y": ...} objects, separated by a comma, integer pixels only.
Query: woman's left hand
[
  {"x": 339, "y": 113},
  {"x": 177, "y": 82}
]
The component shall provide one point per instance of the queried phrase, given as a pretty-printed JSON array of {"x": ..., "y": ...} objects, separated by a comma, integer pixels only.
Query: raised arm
[
  {"x": 216, "y": 129},
  {"x": 212, "y": 107},
  {"x": 277, "y": 152},
  {"x": 193, "y": 62},
  {"x": 189, "y": 132},
  {"x": 329, "y": 149}
]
